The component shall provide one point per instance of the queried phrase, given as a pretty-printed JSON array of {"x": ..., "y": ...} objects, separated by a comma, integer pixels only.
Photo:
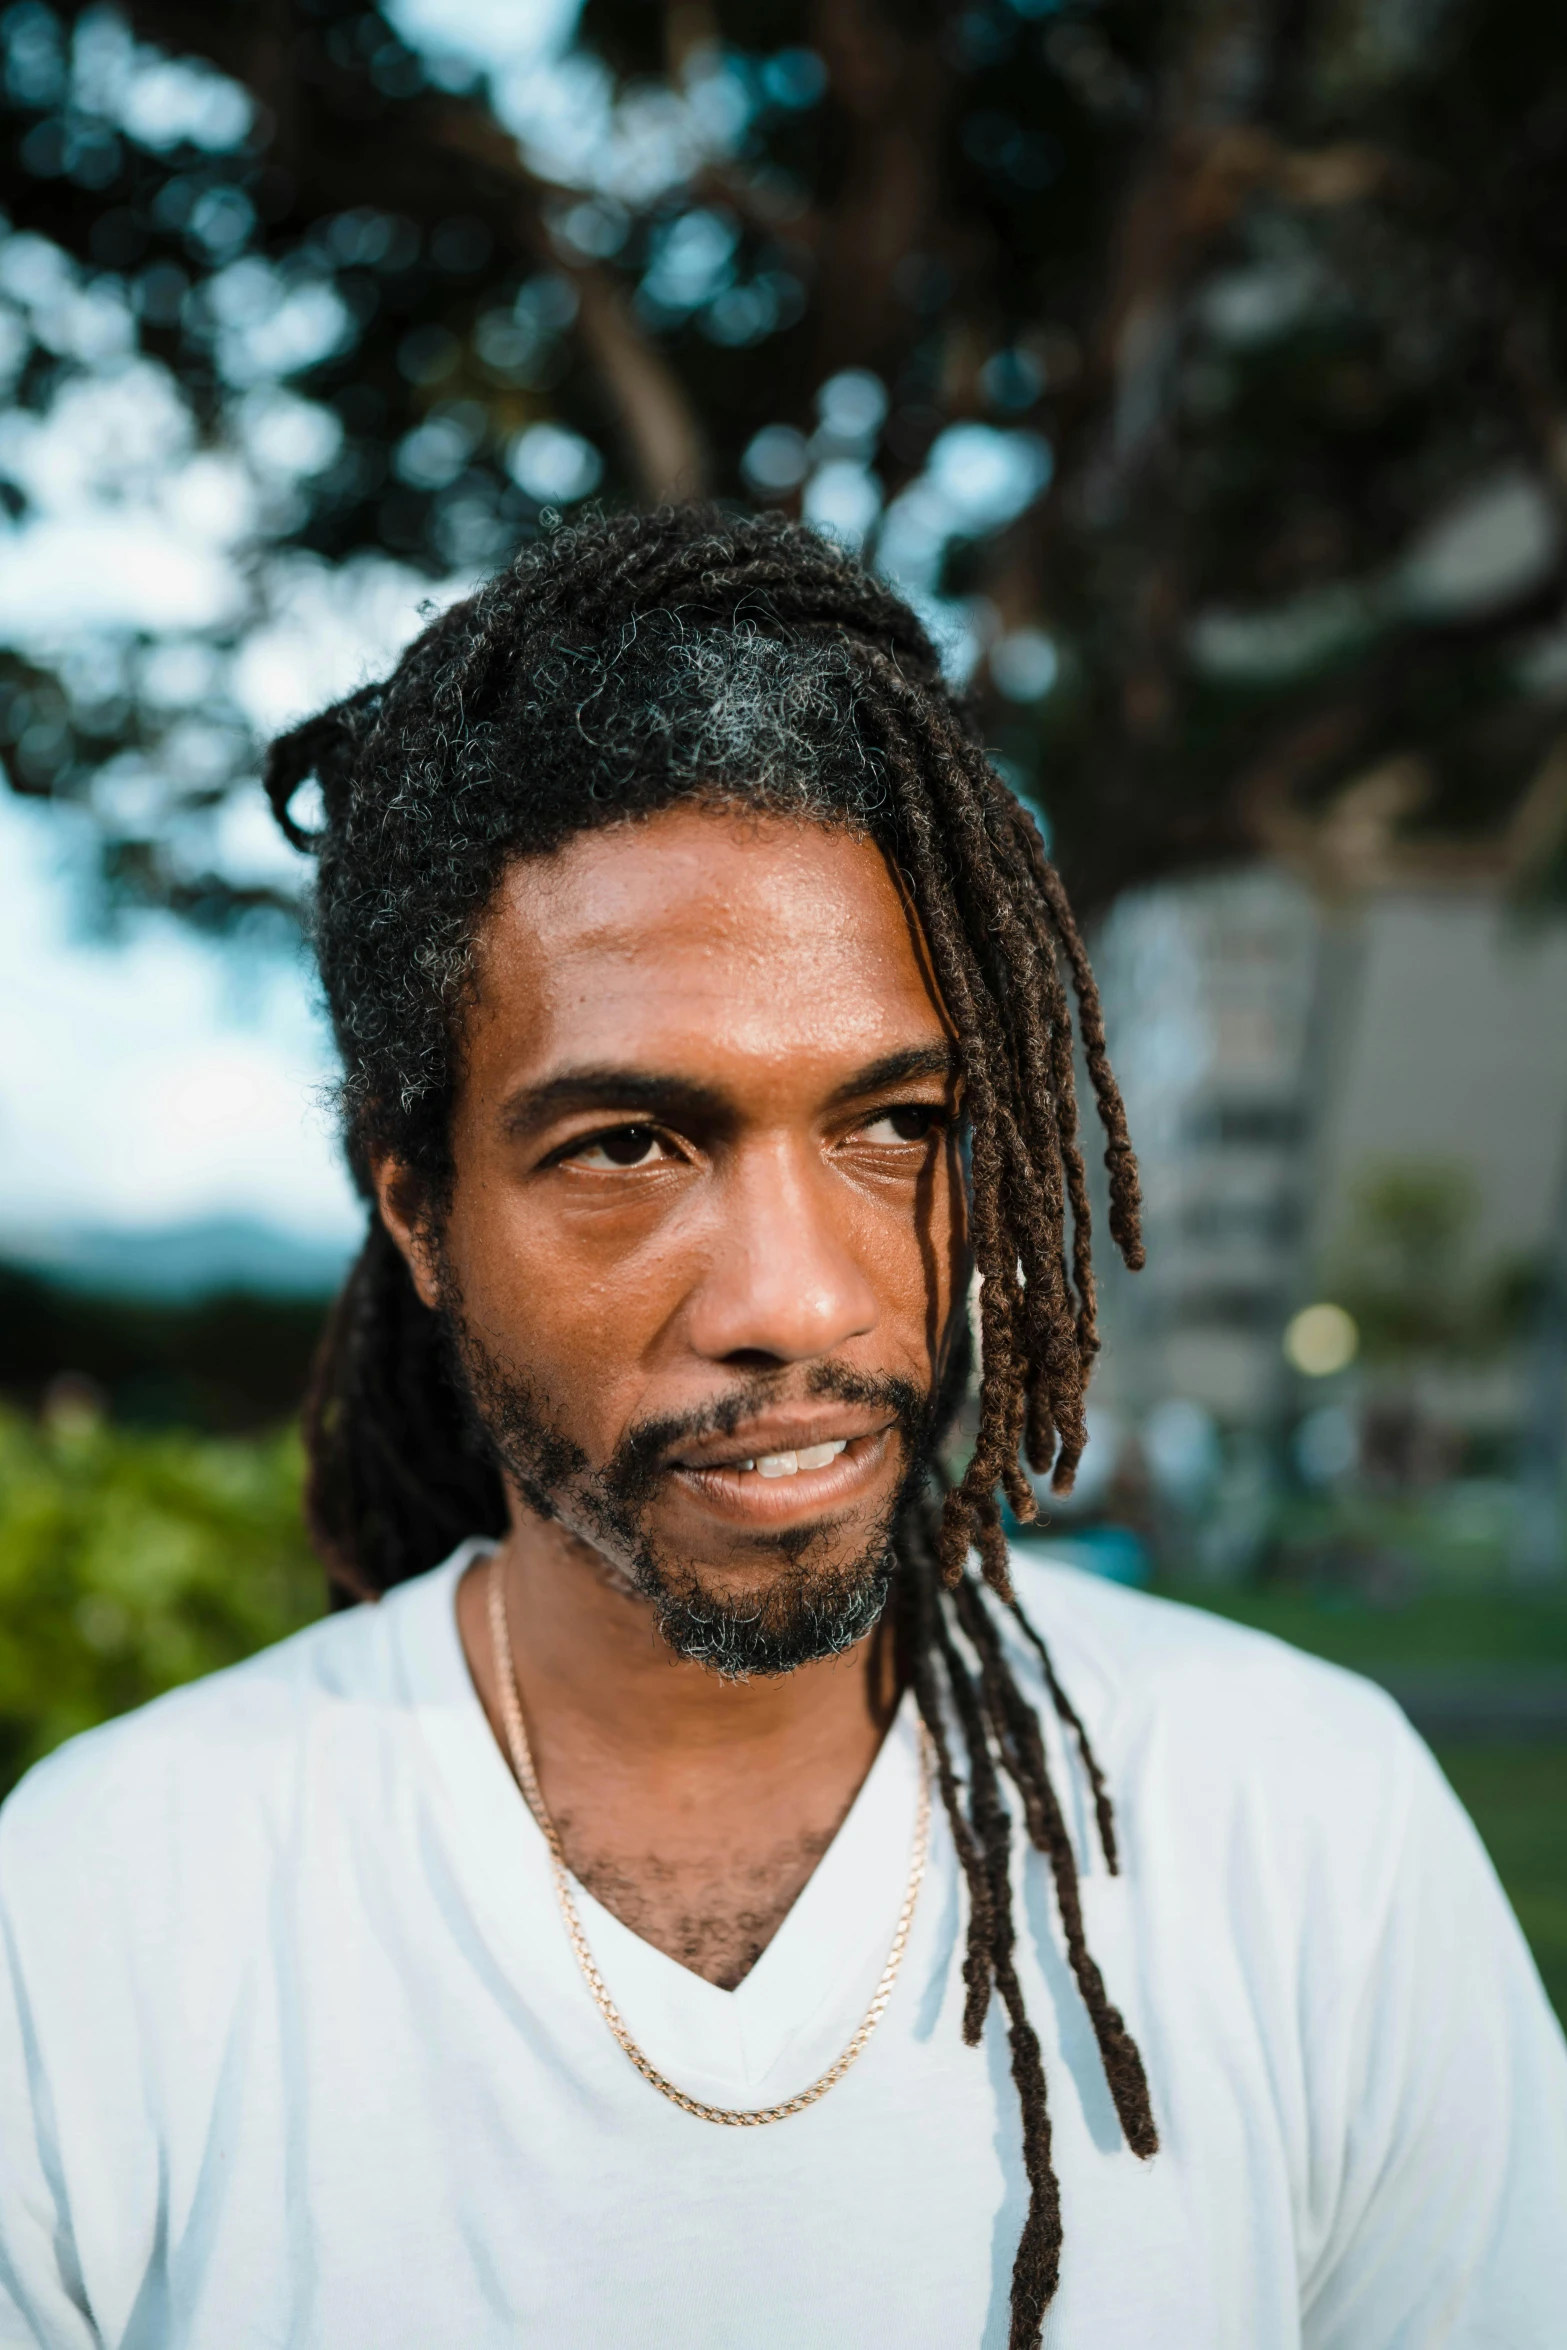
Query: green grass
[{"x": 1433, "y": 1628}]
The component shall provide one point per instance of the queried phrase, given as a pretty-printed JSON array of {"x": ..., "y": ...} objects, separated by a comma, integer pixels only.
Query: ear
[{"x": 397, "y": 1197}]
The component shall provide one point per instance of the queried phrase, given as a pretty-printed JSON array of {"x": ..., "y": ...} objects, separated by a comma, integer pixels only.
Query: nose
[{"x": 781, "y": 1282}]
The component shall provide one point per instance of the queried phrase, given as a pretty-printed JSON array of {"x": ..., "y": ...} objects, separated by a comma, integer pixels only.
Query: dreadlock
[{"x": 617, "y": 667}]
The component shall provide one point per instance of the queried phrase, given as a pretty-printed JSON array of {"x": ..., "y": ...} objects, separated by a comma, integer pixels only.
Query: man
[{"x": 593, "y": 1941}]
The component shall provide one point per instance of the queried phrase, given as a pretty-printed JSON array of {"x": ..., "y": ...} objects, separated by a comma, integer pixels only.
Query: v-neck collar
[{"x": 805, "y": 1996}]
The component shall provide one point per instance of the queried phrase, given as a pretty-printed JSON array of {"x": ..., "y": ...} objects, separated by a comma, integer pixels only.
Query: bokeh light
[{"x": 1321, "y": 1340}]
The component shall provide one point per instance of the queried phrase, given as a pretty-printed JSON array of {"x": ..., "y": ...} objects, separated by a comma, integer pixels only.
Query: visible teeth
[{"x": 789, "y": 1464}]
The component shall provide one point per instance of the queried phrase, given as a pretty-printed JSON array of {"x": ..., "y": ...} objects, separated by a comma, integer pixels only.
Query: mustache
[{"x": 643, "y": 1451}]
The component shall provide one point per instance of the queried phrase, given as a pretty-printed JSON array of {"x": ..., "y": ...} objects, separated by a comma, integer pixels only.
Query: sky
[
  {"x": 155, "y": 1076},
  {"x": 150, "y": 1075},
  {"x": 156, "y": 1079}
]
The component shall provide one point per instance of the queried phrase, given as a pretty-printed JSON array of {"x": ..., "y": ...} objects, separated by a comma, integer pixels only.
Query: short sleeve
[{"x": 1449, "y": 2227}]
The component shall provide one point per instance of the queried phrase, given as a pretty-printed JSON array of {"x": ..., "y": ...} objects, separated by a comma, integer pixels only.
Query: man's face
[{"x": 706, "y": 1230}]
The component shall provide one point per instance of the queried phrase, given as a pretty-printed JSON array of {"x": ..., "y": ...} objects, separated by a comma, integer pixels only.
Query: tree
[{"x": 1197, "y": 366}]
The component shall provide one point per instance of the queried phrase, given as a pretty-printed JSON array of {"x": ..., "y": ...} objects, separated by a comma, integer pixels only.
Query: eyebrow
[
  {"x": 688, "y": 1104},
  {"x": 902, "y": 1068},
  {"x": 679, "y": 1100}
]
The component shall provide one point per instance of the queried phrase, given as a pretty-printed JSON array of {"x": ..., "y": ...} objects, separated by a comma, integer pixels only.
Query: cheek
[{"x": 571, "y": 1304}]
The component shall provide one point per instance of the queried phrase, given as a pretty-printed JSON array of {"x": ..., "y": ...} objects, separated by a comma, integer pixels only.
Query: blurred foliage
[
  {"x": 224, "y": 1363},
  {"x": 1406, "y": 1272},
  {"x": 1196, "y": 364},
  {"x": 130, "y": 1563}
]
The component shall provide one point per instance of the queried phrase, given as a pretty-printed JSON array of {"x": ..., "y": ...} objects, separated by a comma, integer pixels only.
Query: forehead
[{"x": 701, "y": 933}]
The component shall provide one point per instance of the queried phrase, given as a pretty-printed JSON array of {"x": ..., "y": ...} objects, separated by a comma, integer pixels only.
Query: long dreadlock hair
[{"x": 617, "y": 667}]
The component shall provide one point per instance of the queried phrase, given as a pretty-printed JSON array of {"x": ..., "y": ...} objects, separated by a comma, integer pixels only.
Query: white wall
[{"x": 1448, "y": 1042}]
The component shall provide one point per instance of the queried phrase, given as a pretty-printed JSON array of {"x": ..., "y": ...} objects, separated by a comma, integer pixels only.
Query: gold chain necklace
[{"x": 732, "y": 2117}]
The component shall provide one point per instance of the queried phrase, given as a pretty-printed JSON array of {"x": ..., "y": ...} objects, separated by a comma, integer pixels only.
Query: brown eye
[
  {"x": 909, "y": 1122},
  {"x": 623, "y": 1146}
]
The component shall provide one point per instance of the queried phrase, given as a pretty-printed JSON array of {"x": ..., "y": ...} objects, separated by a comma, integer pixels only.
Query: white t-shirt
[{"x": 294, "y": 2051}]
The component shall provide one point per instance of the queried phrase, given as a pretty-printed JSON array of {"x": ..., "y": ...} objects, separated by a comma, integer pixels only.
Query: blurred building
[
  {"x": 1278, "y": 1042},
  {"x": 1210, "y": 990}
]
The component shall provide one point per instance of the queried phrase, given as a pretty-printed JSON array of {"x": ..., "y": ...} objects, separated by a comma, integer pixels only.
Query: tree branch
[
  {"x": 891, "y": 89},
  {"x": 449, "y": 154},
  {"x": 658, "y": 422}
]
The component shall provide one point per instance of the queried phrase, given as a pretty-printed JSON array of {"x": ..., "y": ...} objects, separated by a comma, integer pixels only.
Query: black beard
[{"x": 801, "y": 1612}]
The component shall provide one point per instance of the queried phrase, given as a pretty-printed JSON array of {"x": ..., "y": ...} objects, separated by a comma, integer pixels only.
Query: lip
[
  {"x": 781, "y": 1431},
  {"x": 750, "y": 1500}
]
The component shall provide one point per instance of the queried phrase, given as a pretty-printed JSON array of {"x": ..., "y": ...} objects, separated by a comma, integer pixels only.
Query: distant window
[
  {"x": 1248, "y": 1125},
  {"x": 1228, "y": 1306},
  {"x": 1272, "y": 1221}
]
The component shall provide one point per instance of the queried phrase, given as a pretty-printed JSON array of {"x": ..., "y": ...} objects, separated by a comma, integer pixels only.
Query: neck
[
  {"x": 695, "y": 1808},
  {"x": 594, "y": 1671}
]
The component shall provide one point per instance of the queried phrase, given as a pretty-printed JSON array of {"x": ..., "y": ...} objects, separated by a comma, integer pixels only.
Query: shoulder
[
  {"x": 1239, "y": 1719},
  {"x": 209, "y": 1767},
  {"x": 1164, "y": 1653}
]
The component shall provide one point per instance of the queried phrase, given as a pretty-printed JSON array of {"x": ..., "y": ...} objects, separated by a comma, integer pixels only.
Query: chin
[{"x": 743, "y": 1627}]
